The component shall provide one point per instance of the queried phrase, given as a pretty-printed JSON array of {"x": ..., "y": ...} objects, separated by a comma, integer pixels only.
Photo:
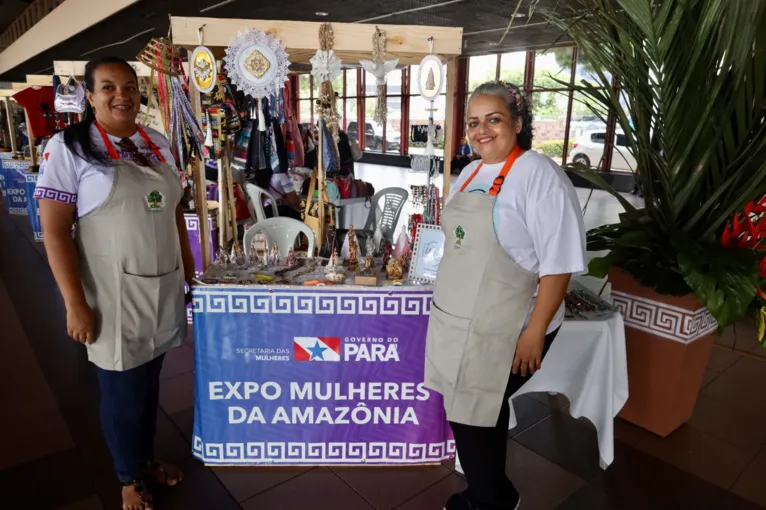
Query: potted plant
[{"x": 689, "y": 93}]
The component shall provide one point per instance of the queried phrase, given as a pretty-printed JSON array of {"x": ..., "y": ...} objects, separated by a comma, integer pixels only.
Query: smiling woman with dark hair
[
  {"x": 514, "y": 237},
  {"x": 122, "y": 274}
]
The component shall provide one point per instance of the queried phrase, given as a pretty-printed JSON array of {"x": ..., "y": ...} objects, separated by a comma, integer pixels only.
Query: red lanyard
[
  {"x": 113, "y": 152},
  {"x": 498, "y": 182}
]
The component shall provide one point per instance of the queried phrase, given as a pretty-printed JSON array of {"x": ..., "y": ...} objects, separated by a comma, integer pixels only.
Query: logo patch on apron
[
  {"x": 155, "y": 201},
  {"x": 459, "y": 236}
]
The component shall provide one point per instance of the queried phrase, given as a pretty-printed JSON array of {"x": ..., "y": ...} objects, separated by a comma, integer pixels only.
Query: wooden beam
[
  {"x": 10, "y": 123},
  {"x": 77, "y": 68},
  {"x": 301, "y": 40},
  {"x": 200, "y": 185},
  {"x": 39, "y": 80},
  {"x": 449, "y": 140}
]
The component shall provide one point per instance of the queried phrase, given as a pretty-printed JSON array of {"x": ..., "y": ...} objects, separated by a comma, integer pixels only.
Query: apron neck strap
[
  {"x": 498, "y": 182},
  {"x": 113, "y": 154}
]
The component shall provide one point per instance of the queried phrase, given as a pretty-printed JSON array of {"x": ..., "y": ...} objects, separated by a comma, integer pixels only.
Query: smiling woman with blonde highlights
[
  {"x": 514, "y": 237},
  {"x": 122, "y": 274}
]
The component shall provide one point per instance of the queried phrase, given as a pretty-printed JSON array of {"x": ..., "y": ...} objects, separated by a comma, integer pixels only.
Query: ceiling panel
[{"x": 124, "y": 34}]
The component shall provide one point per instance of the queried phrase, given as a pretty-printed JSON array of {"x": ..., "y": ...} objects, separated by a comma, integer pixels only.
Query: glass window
[
  {"x": 550, "y": 123},
  {"x": 414, "y": 79},
  {"x": 552, "y": 66},
  {"x": 305, "y": 111},
  {"x": 512, "y": 67},
  {"x": 621, "y": 140},
  {"x": 304, "y": 86},
  {"x": 370, "y": 85},
  {"x": 482, "y": 69},
  {"x": 351, "y": 83},
  {"x": 586, "y": 71},
  {"x": 598, "y": 137},
  {"x": 337, "y": 84},
  {"x": 394, "y": 83},
  {"x": 419, "y": 123},
  {"x": 350, "y": 119},
  {"x": 373, "y": 132},
  {"x": 393, "y": 143},
  {"x": 583, "y": 118}
]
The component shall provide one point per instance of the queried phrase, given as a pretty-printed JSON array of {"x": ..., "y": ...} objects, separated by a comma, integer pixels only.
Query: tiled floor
[{"x": 52, "y": 455}]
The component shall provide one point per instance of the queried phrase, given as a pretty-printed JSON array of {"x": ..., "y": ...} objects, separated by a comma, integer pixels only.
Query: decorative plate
[
  {"x": 256, "y": 63},
  {"x": 430, "y": 77},
  {"x": 203, "y": 69}
]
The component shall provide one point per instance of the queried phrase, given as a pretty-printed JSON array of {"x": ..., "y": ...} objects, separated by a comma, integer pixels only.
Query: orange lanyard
[
  {"x": 498, "y": 182},
  {"x": 113, "y": 152}
]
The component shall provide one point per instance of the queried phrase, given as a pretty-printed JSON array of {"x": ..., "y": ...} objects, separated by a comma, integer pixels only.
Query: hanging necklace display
[
  {"x": 379, "y": 68},
  {"x": 325, "y": 67},
  {"x": 430, "y": 81},
  {"x": 203, "y": 66},
  {"x": 256, "y": 63}
]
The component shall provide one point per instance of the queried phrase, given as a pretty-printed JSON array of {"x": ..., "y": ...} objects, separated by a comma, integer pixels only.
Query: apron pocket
[
  {"x": 445, "y": 343},
  {"x": 150, "y": 304}
]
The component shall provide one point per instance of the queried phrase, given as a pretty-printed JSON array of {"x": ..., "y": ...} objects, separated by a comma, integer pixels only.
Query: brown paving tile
[
  {"x": 318, "y": 489},
  {"x": 737, "y": 425},
  {"x": 200, "y": 489},
  {"x": 557, "y": 401},
  {"x": 178, "y": 361},
  {"x": 435, "y": 496},
  {"x": 638, "y": 481},
  {"x": 542, "y": 484},
  {"x": 744, "y": 385},
  {"x": 49, "y": 482},
  {"x": 177, "y": 393},
  {"x": 590, "y": 497},
  {"x": 528, "y": 413},
  {"x": 388, "y": 487},
  {"x": 750, "y": 484},
  {"x": 245, "y": 482},
  {"x": 91, "y": 503},
  {"x": 30, "y": 436},
  {"x": 700, "y": 454},
  {"x": 170, "y": 443},
  {"x": 184, "y": 420},
  {"x": 628, "y": 433},
  {"x": 721, "y": 359},
  {"x": 710, "y": 376},
  {"x": 566, "y": 442},
  {"x": 743, "y": 335}
]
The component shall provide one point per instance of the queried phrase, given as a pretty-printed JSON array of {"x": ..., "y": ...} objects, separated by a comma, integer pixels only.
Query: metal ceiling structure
[{"x": 125, "y": 33}]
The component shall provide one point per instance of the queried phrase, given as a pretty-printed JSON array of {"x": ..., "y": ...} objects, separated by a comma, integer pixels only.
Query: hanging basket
[{"x": 162, "y": 56}]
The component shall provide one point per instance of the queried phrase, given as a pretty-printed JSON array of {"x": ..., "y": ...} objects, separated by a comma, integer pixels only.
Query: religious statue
[
  {"x": 274, "y": 255},
  {"x": 333, "y": 272},
  {"x": 386, "y": 252},
  {"x": 353, "y": 249},
  {"x": 223, "y": 258},
  {"x": 291, "y": 259},
  {"x": 254, "y": 259},
  {"x": 395, "y": 269},
  {"x": 238, "y": 256}
]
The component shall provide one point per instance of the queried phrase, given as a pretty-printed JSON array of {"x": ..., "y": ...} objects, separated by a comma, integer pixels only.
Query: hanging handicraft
[
  {"x": 203, "y": 69},
  {"x": 325, "y": 67},
  {"x": 379, "y": 68},
  {"x": 256, "y": 63}
]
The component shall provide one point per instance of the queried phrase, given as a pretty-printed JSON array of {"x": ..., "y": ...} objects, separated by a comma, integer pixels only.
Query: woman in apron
[
  {"x": 514, "y": 237},
  {"x": 122, "y": 274}
]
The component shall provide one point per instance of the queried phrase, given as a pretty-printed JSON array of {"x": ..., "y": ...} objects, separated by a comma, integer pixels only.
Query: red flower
[
  {"x": 726, "y": 237},
  {"x": 762, "y": 267}
]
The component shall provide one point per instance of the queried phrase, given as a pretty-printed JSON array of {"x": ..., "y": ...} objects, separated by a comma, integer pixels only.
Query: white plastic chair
[
  {"x": 255, "y": 196},
  {"x": 284, "y": 231}
]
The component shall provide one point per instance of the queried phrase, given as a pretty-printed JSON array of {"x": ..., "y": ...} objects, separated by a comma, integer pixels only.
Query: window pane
[
  {"x": 394, "y": 125},
  {"x": 394, "y": 83},
  {"x": 414, "y": 79},
  {"x": 512, "y": 67},
  {"x": 351, "y": 119},
  {"x": 373, "y": 132},
  {"x": 337, "y": 84},
  {"x": 482, "y": 69},
  {"x": 553, "y": 65},
  {"x": 419, "y": 117},
  {"x": 586, "y": 71},
  {"x": 550, "y": 120},
  {"x": 305, "y": 107},
  {"x": 304, "y": 82},
  {"x": 351, "y": 82},
  {"x": 370, "y": 87}
]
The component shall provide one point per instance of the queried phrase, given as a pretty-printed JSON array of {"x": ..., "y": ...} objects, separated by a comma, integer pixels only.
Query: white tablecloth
[{"x": 587, "y": 363}]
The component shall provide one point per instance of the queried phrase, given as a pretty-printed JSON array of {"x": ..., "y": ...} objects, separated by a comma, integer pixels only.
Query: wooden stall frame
[{"x": 352, "y": 42}]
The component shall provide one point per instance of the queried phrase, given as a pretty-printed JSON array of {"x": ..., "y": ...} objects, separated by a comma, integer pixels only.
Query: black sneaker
[{"x": 459, "y": 501}]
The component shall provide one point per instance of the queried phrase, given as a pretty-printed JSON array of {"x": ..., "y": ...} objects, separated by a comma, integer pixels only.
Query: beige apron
[
  {"x": 480, "y": 304},
  {"x": 131, "y": 265}
]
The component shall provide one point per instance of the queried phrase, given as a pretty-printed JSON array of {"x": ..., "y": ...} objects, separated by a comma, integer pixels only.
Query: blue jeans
[{"x": 129, "y": 402}]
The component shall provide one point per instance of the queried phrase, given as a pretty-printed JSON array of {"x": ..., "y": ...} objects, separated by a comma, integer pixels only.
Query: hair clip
[{"x": 516, "y": 94}]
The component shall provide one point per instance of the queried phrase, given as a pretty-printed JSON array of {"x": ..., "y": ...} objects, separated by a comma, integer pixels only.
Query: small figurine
[
  {"x": 254, "y": 259},
  {"x": 291, "y": 260},
  {"x": 333, "y": 263},
  {"x": 353, "y": 249},
  {"x": 333, "y": 272},
  {"x": 274, "y": 255},
  {"x": 395, "y": 269},
  {"x": 386, "y": 253},
  {"x": 238, "y": 256},
  {"x": 368, "y": 265},
  {"x": 223, "y": 258},
  {"x": 369, "y": 247}
]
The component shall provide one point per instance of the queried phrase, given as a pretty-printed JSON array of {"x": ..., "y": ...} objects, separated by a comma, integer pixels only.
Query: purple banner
[
  {"x": 314, "y": 377},
  {"x": 195, "y": 241}
]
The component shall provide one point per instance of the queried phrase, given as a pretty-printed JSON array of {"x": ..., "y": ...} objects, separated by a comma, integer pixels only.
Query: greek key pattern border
[
  {"x": 663, "y": 320},
  {"x": 312, "y": 303},
  {"x": 18, "y": 211},
  {"x": 54, "y": 194},
  {"x": 294, "y": 453},
  {"x": 16, "y": 165}
]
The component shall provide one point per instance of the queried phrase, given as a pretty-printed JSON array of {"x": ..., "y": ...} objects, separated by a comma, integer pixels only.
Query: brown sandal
[
  {"x": 158, "y": 470},
  {"x": 145, "y": 499}
]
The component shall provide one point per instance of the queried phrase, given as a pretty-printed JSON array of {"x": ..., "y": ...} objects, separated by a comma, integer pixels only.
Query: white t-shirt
[
  {"x": 67, "y": 177},
  {"x": 279, "y": 186},
  {"x": 537, "y": 217}
]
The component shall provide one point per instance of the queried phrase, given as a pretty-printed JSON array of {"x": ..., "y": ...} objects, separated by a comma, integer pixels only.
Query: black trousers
[{"x": 482, "y": 452}]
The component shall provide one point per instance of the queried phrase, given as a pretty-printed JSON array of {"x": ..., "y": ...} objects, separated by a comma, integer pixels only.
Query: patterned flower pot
[{"x": 668, "y": 342}]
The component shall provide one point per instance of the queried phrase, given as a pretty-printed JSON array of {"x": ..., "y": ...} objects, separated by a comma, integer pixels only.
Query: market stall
[{"x": 14, "y": 187}]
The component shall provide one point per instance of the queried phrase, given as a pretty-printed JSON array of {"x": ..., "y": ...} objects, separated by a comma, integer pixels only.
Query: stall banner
[
  {"x": 195, "y": 241},
  {"x": 314, "y": 377},
  {"x": 14, "y": 185},
  {"x": 32, "y": 204}
]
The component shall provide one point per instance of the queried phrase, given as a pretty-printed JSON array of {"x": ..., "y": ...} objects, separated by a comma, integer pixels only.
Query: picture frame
[{"x": 427, "y": 253}]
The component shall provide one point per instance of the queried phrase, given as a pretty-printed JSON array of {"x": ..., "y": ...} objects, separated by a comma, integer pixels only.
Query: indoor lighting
[{"x": 322, "y": 14}]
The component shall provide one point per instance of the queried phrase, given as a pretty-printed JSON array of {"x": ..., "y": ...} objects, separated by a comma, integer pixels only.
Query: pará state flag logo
[{"x": 314, "y": 348}]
